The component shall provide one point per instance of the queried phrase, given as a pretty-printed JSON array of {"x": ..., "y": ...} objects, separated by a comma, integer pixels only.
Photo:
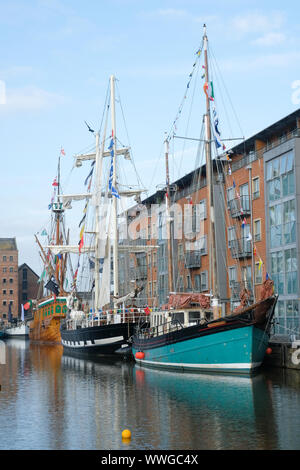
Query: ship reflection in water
[{"x": 52, "y": 401}]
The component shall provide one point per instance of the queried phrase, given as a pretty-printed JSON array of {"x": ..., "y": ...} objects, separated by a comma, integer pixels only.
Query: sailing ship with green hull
[{"x": 190, "y": 334}]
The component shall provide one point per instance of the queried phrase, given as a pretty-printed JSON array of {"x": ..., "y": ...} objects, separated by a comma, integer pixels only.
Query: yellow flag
[{"x": 260, "y": 263}]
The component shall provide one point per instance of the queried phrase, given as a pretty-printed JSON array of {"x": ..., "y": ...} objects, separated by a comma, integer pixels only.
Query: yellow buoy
[{"x": 126, "y": 434}]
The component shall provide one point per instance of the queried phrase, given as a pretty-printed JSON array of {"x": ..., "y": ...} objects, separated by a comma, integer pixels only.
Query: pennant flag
[
  {"x": 62, "y": 151},
  {"x": 260, "y": 264},
  {"x": 249, "y": 238},
  {"x": 55, "y": 183},
  {"x": 42, "y": 275},
  {"x": 267, "y": 276},
  {"x": 115, "y": 193},
  {"x": 81, "y": 232},
  {"x": 233, "y": 183},
  {"x": 80, "y": 244},
  {"x": 198, "y": 52},
  {"x": 254, "y": 250},
  {"x": 244, "y": 222},
  {"x": 44, "y": 233},
  {"x": 82, "y": 220},
  {"x": 88, "y": 176},
  {"x": 229, "y": 169}
]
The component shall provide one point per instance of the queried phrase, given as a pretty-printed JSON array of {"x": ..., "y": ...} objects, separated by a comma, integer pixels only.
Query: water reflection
[{"x": 53, "y": 401}]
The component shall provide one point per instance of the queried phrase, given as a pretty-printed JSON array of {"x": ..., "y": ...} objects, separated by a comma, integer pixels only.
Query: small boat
[
  {"x": 190, "y": 333},
  {"x": 20, "y": 330}
]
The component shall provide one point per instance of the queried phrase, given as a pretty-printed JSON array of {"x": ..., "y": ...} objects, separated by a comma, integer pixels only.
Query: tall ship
[
  {"x": 49, "y": 310},
  {"x": 100, "y": 320},
  {"x": 191, "y": 332}
]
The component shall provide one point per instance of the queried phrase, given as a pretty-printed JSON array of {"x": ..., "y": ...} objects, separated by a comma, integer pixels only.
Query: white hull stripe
[
  {"x": 234, "y": 365},
  {"x": 97, "y": 342}
]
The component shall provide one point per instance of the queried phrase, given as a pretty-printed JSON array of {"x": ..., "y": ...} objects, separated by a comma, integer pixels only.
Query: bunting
[
  {"x": 209, "y": 90},
  {"x": 113, "y": 190},
  {"x": 217, "y": 132}
]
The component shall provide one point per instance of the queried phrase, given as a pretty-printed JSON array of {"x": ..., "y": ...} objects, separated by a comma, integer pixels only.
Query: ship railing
[
  {"x": 72, "y": 324},
  {"x": 164, "y": 328}
]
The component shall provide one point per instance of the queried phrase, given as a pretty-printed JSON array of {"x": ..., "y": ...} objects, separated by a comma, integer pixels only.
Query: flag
[
  {"x": 244, "y": 222},
  {"x": 44, "y": 233},
  {"x": 254, "y": 250},
  {"x": 249, "y": 238},
  {"x": 260, "y": 263},
  {"x": 114, "y": 192},
  {"x": 52, "y": 285},
  {"x": 229, "y": 169},
  {"x": 81, "y": 232},
  {"x": 233, "y": 183},
  {"x": 209, "y": 90},
  {"x": 55, "y": 183},
  {"x": 267, "y": 276},
  {"x": 147, "y": 310},
  {"x": 82, "y": 220},
  {"x": 28, "y": 305},
  {"x": 62, "y": 151}
]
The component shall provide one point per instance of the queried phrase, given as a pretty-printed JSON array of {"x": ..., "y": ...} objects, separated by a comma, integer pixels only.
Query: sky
[{"x": 56, "y": 57}]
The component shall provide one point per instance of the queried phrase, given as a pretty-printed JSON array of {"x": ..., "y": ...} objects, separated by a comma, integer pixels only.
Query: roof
[
  {"x": 8, "y": 244},
  {"x": 25, "y": 265},
  {"x": 278, "y": 127}
]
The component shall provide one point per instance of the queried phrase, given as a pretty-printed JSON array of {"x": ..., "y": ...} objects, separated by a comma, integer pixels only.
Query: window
[
  {"x": 4, "y": 270},
  {"x": 258, "y": 274},
  {"x": 154, "y": 258},
  {"x": 204, "y": 281},
  {"x": 4, "y": 292},
  {"x": 180, "y": 251},
  {"x": 289, "y": 222},
  {"x": 197, "y": 284},
  {"x": 231, "y": 236},
  {"x": 25, "y": 274},
  {"x": 11, "y": 280},
  {"x": 4, "y": 258},
  {"x": 4, "y": 303},
  {"x": 11, "y": 292},
  {"x": 11, "y": 258},
  {"x": 189, "y": 284},
  {"x": 232, "y": 275},
  {"x": 291, "y": 266},
  {"x": 4, "y": 280},
  {"x": 11, "y": 269},
  {"x": 24, "y": 296},
  {"x": 280, "y": 176},
  {"x": 154, "y": 289},
  {"x": 257, "y": 230},
  {"x": 180, "y": 286},
  {"x": 277, "y": 271},
  {"x": 255, "y": 188},
  {"x": 275, "y": 217}
]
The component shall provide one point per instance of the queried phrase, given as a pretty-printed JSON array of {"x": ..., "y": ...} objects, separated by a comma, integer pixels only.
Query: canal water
[{"x": 52, "y": 401}]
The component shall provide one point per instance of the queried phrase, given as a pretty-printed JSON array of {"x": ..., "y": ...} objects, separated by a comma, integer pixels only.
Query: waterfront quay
[{"x": 52, "y": 401}]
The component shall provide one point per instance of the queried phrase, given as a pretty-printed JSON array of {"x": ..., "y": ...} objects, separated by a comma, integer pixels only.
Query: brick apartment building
[
  {"x": 28, "y": 285},
  {"x": 8, "y": 278},
  {"x": 257, "y": 217}
]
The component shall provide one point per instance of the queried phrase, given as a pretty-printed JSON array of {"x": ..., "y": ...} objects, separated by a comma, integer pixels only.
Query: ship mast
[
  {"x": 114, "y": 180},
  {"x": 169, "y": 241},
  {"x": 210, "y": 201}
]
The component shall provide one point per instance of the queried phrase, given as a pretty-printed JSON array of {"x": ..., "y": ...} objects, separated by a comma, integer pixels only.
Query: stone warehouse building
[{"x": 257, "y": 217}]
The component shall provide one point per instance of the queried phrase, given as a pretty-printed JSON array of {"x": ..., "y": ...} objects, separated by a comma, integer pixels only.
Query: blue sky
[{"x": 56, "y": 57}]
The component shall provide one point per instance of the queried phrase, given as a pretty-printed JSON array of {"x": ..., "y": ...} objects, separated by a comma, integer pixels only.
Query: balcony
[
  {"x": 240, "y": 248},
  {"x": 238, "y": 287},
  {"x": 192, "y": 259},
  {"x": 235, "y": 206}
]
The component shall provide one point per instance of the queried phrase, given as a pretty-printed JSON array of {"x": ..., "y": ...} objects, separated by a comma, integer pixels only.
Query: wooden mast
[
  {"x": 114, "y": 185},
  {"x": 210, "y": 197},
  {"x": 169, "y": 235}
]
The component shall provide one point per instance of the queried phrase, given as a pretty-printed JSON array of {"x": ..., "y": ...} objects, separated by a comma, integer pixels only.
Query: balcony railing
[
  {"x": 193, "y": 259},
  {"x": 239, "y": 206},
  {"x": 238, "y": 287},
  {"x": 240, "y": 248}
]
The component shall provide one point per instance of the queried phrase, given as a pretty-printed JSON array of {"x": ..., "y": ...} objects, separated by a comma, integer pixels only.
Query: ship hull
[
  {"x": 45, "y": 326},
  {"x": 234, "y": 346},
  {"x": 96, "y": 340}
]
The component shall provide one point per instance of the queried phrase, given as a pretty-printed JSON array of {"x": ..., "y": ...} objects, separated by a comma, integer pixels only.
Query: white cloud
[
  {"x": 260, "y": 62},
  {"x": 255, "y": 22},
  {"x": 30, "y": 99},
  {"x": 270, "y": 39}
]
